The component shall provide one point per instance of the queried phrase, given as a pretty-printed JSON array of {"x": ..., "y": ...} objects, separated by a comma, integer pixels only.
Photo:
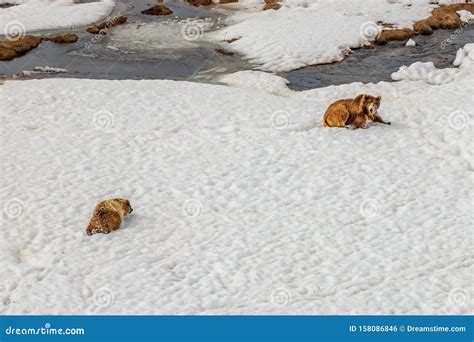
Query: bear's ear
[
  {"x": 379, "y": 98},
  {"x": 100, "y": 212},
  {"x": 360, "y": 98}
]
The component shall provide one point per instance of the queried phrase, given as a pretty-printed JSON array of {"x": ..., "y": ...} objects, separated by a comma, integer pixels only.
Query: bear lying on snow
[
  {"x": 108, "y": 215},
  {"x": 356, "y": 112}
]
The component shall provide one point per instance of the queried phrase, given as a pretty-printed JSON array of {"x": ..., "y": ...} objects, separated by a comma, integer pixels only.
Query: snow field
[
  {"x": 242, "y": 203},
  {"x": 37, "y": 15}
]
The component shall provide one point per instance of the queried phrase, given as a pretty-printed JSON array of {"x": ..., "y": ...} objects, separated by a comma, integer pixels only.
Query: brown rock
[
  {"x": 102, "y": 28},
  {"x": 397, "y": 34},
  {"x": 63, "y": 39},
  {"x": 443, "y": 17},
  {"x": 421, "y": 27},
  {"x": 158, "y": 10},
  {"x": 271, "y": 4},
  {"x": 10, "y": 49},
  {"x": 7, "y": 54},
  {"x": 224, "y": 52},
  {"x": 198, "y": 3},
  {"x": 227, "y": 1},
  {"x": 232, "y": 40}
]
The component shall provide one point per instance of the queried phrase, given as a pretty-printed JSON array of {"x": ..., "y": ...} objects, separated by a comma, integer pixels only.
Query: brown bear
[
  {"x": 356, "y": 112},
  {"x": 108, "y": 216}
]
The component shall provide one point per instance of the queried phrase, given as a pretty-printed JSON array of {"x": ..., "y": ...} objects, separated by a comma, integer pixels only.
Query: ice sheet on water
[{"x": 162, "y": 36}]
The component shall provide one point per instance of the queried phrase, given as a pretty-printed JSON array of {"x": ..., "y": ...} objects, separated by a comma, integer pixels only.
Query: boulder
[
  {"x": 271, "y": 4},
  {"x": 224, "y": 52},
  {"x": 102, "y": 28},
  {"x": 397, "y": 34},
  {"x": 198, "y": 3},
  {"x": 158, "y": 10},
  {"x": 13, "y": 48},
  {"x": 63, "y": 39}
]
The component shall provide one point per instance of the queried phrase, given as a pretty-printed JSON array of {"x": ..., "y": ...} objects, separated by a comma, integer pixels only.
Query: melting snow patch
[
  {"x": 428, "y": 73},
  {"x": 465, "y": 16},
  {"x": 257, "y": 80},
  {"x": 316, "y": 32},
  {"x": 43, "y": 70}
]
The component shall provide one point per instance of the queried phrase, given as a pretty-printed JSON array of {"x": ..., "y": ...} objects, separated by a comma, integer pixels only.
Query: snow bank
[
  {"x": 302, "y": 33},
  {"x": 243, "y": 204},
  {"x": 37, "y": 15},
  {"x": 410, "y": 43},
  {"x": 465, "y": 16},
  {"x": 257, "y": 80},
  {"x": 427, "y": 72}
]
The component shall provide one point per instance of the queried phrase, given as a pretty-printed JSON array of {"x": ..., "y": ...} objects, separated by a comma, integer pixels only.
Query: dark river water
[
  {"x": 375, "y": 65},
  {"x": 152, "y": 47}
]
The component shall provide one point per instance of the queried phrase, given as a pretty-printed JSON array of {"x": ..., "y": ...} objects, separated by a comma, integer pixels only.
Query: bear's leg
[
  {"x": 360, "y": 121},
  {"x": 335, "y": 116},
  {"x": 378, "y": 118},
  {"x": 341, "y": 117}
]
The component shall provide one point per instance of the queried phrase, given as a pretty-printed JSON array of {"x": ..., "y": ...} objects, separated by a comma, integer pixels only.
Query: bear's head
[
  {"x": 125, "y": 204},
  {"x": 368, "y": 104}
]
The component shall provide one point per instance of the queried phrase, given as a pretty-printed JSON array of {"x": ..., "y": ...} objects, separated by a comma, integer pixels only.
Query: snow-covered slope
[
  {"x": 243, "y": 204},
  {"x": 36, "y": 15}
]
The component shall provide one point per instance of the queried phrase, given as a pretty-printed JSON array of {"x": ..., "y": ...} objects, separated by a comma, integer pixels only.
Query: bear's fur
[
  {"x": 356, "y": 112},
  {"x": 108, "y": 216}
]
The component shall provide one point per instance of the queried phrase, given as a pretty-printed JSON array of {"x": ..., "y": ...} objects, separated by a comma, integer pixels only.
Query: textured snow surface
[
  {"x": 303, "y": 33},
  {"x": 36, "y": 15},
  {"x": 427, "y": 72},
  {"x": 243, "y": 204}
]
